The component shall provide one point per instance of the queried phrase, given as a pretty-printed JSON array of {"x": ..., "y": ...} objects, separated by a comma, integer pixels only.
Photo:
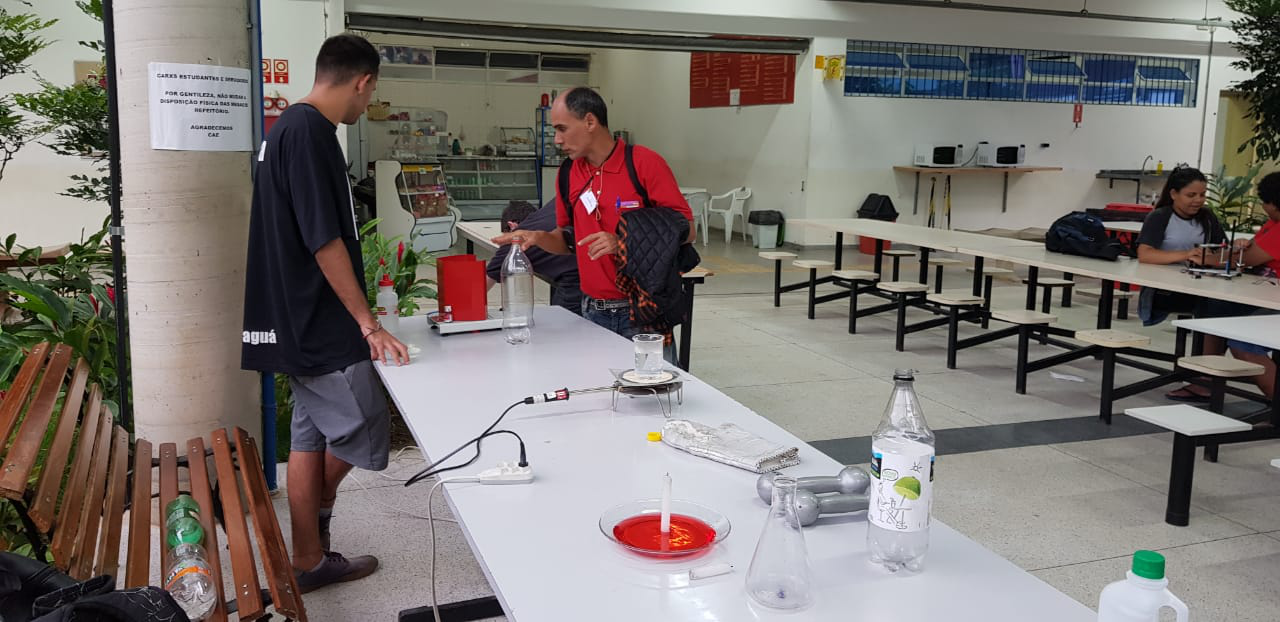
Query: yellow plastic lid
[{"x": 655, "y": 436}]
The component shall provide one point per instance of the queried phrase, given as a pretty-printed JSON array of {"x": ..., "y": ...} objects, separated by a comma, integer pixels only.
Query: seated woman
[
  {"x": 1171, "y": 235},
  {"x": 1263, "y": 250}
]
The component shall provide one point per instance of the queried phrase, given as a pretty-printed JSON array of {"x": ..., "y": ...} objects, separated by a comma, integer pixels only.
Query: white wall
[
  {"x": 841, "y": 147},
  {"x": 763, "y": 147},
  {"x": 293, "y": 30},
  {"x": 29, "y": 201}
]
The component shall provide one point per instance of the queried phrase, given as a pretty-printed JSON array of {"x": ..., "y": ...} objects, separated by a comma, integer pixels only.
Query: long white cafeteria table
[{"x": 540, "y": 545}]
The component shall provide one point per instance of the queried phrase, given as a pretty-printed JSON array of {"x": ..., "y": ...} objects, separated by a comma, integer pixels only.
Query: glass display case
[
  {"x": 481, "y": 186},
  {"x": 413, "y": 201}
]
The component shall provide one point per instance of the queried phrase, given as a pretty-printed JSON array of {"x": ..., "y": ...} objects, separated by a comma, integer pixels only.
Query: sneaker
[{"x": 335, "y": 568}]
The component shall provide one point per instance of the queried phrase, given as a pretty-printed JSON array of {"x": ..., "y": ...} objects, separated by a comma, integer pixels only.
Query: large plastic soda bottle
[
  {"x": 1141, "y": 596},
  {"x": 901, "y": 494},
  {"x": 517, "y": 296},
  {"x": 190, "y": 581},
  {"x": 182, "y": 521}
]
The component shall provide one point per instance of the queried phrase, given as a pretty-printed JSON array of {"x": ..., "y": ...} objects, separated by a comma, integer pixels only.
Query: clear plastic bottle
[
  {"x": 190, "y": 581},
  {"x": 388, "y": 305},
  {"x": 1141, "y": 596},
  {"x": 779, "y": 576},
  {"x": 901, "y": 492},
  {"x": 517, "y": 296}
]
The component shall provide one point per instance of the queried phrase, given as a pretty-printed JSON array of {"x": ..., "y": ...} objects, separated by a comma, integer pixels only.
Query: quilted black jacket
[{"x": 652, "y": 255}]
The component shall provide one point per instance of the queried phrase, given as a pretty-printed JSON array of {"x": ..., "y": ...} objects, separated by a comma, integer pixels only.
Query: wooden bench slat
[
  {"x": 21, "y": 458},
  {"x": 82, "y": 552},
  {"x": 45, "y": 503},
  {"x": 277, "y": 566},
  {"x": 16, "y": 396},
  {"x": 138, "y": 565},
  {"x": 168, "y": 492},
  {"x": 73, "y": 496},
  {"x": 248, "y": 593},
  {"x": 117, "y": 485},
  {"x": 202, "y": 493}
]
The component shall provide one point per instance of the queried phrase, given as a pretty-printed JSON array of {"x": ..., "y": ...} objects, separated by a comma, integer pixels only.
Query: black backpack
[
  {"x": 688, "y": 257},
  {"x": 1082, "y": 234}
]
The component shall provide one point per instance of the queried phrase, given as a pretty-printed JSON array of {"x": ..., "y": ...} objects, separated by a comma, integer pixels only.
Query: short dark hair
[
  {"x": 581, "y": 100},
  {"x": 345, "y": 57},
  {"x": 1269, "y": 189},
  {"x": 516, "y": 211}
]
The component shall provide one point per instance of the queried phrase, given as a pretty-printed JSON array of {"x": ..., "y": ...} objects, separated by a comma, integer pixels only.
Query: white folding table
[{"x": 541, "y": 548}]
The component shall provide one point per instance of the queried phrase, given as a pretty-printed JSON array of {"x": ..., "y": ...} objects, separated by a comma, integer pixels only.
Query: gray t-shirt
[{"x": 1181, "y": 234}]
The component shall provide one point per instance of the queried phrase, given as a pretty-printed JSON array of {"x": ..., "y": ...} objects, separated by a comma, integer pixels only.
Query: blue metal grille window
[{"x": 887, "y": 69}]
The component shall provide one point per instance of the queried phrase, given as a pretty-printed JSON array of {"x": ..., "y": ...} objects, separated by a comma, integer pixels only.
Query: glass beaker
[{"x": 779, "y": 576}]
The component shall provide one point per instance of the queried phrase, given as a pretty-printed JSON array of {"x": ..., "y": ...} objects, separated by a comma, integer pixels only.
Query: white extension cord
[{"x": 504, "y": 473}]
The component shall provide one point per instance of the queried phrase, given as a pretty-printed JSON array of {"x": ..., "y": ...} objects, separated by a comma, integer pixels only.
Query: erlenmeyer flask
[{"x": 779, "y": 574}]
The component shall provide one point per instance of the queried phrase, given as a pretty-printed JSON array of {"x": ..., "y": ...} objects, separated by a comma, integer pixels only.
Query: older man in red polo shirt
[{"x": 600, "y": 191}]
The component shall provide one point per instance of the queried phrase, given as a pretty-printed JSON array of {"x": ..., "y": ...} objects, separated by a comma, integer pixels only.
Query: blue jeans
[{"x": 619, "y": 321}]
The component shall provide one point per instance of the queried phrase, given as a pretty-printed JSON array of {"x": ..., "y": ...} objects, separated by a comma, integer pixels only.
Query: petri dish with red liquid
[{"x": 636, "y": 526}]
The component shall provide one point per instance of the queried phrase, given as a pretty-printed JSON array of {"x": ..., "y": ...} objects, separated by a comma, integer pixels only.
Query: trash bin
[
  {"x": 764, "y": 227},
  {"x": 877, "y": 207}
]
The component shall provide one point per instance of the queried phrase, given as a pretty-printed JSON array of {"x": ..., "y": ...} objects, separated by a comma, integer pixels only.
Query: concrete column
[{"x": 186, "y": 219}]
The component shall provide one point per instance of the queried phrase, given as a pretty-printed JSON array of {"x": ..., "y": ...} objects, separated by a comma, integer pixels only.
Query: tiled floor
[{"x": 1071, "y": 513}]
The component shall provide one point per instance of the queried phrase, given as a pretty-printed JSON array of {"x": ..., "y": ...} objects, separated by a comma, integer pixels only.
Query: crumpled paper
[{"x": 729, "y": 444}]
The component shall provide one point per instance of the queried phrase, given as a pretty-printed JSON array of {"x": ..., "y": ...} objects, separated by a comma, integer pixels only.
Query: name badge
[
  {"x": 589, "y": 201},
  {"x": 629, "y": 205}
]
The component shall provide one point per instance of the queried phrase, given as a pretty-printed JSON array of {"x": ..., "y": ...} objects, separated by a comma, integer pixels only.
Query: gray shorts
[{"x": 344, "y": 411}]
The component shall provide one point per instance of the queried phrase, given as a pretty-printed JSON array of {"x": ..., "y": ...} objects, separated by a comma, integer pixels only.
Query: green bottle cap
[{"x": 1148, "y": 565}]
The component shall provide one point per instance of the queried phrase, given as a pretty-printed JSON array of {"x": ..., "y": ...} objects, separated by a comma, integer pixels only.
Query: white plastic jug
[{"x": 1141, "y": 596}]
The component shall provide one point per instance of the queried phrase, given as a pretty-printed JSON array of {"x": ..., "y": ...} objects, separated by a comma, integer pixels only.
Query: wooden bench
[
  {"x": 903, "y": 294},
  {"x": 959, "y": 306},
  {"x": 1191, "y": 427},
  {"x": 1219, "y": 369},
  {"x": 92, "y": 477}
]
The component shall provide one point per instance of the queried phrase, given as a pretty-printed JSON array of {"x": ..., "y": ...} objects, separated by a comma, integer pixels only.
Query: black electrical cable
[
  {"x": 425, "y": 475},
  {"x": 427, "y": 471}
]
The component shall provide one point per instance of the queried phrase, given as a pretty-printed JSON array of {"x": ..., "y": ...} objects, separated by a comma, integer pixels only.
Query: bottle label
[
  {"x": 178, "y": 573},
  {"x": 381, "y": 311},
  {"x": 901, "y": 487}
]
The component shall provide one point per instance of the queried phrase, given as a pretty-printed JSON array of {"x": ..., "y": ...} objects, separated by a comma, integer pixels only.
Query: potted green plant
[
  {"x": 1233, "y": 201},
  {"x": 1256, "y": 32}
]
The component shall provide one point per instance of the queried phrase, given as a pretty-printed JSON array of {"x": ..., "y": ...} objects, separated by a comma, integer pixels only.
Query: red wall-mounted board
[{"x": 759, "y": 79}]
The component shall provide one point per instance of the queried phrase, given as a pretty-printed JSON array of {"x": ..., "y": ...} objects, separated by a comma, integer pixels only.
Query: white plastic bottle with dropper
[{"x": 1141, "y": 596}]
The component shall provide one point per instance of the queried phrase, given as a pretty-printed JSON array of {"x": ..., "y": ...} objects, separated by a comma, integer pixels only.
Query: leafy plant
[
  {"x": 65, "y": 301},
  {"x": 391, "y": 256},
  {"x": 19, "y": 40},
  {"x": 1232, "y": 199},
  {"x": 75, "y": 117},
  {"x": 1256, "y": 34}
]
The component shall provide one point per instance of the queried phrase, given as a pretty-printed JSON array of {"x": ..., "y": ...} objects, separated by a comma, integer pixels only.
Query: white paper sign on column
[
  {"x": 200, "y": 107},
  {"x": 735, "y": 97}
]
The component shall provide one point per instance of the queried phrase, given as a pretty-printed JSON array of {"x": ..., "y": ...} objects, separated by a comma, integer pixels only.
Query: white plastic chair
[
  {"x": 737, "y": 207},
  {"x": 698, "y": 202}
]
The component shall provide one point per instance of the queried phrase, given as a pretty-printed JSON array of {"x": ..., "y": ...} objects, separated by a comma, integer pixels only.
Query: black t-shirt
[{"x": 294, "y": 322}]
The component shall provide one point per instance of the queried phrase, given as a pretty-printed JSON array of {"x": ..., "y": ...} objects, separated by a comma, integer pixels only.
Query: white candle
[{"x": 666, "y": 503}]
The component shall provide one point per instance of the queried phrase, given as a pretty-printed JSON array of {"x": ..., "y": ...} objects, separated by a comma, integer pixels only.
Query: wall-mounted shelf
[{"x": 971, "y": 170}]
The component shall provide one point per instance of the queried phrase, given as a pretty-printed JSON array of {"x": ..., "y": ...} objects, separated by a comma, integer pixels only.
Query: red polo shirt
[
  {"x": 1268, "y": 239},
  {"x": 611, "y": 185}
]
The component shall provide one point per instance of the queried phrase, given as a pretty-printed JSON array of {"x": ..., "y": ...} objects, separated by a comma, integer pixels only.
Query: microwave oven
[
  {"x": 939, "y": 155},
  {"x": 1005, "y": 155}
]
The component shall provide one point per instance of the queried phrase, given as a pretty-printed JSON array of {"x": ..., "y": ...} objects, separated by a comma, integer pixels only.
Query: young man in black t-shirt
[{"x": 306, "y": 313}]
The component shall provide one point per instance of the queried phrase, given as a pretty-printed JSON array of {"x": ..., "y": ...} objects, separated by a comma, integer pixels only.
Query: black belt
[{"x": 605, "y": 305}]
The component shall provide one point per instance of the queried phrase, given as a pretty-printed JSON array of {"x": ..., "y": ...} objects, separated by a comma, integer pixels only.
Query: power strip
[{"x": 506, "y": 473}]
